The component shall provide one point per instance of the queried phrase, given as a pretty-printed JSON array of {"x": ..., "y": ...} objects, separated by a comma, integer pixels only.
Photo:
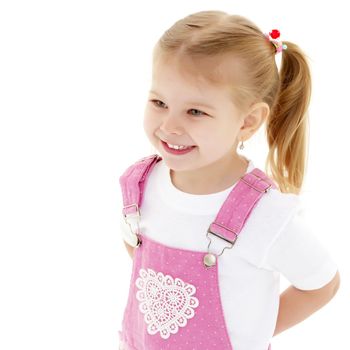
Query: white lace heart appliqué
[{"x": 166, "y": 302}]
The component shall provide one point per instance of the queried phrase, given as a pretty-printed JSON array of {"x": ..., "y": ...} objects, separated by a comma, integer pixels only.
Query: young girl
[{"x": 209, "y": 233}]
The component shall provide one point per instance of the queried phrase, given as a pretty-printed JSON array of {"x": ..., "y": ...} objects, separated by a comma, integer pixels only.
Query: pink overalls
[{"x": 174, "y": 298}]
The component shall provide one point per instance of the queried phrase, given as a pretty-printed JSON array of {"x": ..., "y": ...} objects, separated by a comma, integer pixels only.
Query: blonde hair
[{"x": 211, "y": 35}]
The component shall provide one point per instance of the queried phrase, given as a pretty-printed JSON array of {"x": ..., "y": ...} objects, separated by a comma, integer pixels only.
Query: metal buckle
[
  {"x": 232, "y": 243},
  {"x": 136, "y": 215},
  {"x": 210, "y": 258}
]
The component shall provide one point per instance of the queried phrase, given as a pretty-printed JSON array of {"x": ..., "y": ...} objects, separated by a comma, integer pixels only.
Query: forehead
[{"x": 200, "y": 77}]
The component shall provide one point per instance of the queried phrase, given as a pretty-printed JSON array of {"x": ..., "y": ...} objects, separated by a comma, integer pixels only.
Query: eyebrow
[{"x": 191, "y": 103}]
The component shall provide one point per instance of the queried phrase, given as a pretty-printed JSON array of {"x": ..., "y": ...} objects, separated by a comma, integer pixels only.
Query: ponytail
[{"x": 287, "y": 125}]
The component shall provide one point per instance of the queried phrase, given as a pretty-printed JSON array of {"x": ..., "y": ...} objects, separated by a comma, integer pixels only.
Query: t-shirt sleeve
[{"x": 300, "y": 256}]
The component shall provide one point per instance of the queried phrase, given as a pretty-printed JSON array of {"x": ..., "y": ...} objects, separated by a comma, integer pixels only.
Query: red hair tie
[{"x": 273, "y": 38}]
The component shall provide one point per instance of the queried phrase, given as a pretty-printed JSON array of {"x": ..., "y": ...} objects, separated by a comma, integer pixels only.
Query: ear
[{"x": 254, "y": 117}]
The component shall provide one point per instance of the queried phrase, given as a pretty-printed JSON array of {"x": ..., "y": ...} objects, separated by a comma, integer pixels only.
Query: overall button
[{"x": 209, "y": 260}]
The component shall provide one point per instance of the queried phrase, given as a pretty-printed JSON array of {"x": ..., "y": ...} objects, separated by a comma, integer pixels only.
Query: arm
[{"x": 296, "y": 305}]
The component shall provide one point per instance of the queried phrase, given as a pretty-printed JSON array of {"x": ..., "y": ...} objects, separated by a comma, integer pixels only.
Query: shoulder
[
  {"x": 275, "y": 197},
  {"x": 140, "y": 163},
  {"x": 268, "y": 218},
  {"x": 275, "y": 209}
]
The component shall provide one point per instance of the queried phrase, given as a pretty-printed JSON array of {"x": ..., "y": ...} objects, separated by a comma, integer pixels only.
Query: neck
[{"x": 210, "y": 179}]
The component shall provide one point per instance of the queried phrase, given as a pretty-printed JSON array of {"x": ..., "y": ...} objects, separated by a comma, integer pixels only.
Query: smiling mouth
[
  {"x": 175, "y": 146},
  {"x": 177, "y": 151}
]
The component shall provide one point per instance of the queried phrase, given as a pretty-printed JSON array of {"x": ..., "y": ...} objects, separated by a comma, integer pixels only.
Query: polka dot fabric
[{"x": 205, "y": 330}]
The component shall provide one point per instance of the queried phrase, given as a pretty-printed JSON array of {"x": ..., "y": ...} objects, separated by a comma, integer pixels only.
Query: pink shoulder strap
[
  {"x": 133, "y": 182},
  {"x": 232, "y": 215},
  {"x": 239, "y": 204}
]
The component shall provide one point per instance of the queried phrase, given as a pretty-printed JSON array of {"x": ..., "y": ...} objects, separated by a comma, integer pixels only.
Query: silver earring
[{"x": 241, "y": 146}]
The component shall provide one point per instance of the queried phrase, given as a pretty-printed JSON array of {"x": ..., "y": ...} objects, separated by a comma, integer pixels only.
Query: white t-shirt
[{"x": 275, "y": 239}]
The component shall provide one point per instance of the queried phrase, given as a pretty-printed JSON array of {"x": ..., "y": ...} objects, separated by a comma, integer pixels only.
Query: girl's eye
[
  {"x": 197, "y": 110},
  {"x": 156, "y": 103},
  {"x": 160, "y": 104}
]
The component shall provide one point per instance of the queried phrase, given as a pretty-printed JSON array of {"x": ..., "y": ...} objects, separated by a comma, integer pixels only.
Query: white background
[{"x": 73, "y": 82}]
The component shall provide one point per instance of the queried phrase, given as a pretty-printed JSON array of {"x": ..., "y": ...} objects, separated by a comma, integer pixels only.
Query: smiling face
[{"x": 186, "y": 110}]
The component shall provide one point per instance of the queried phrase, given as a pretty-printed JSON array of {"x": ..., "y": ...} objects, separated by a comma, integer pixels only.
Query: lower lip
[{"x": 177, "y": 151}]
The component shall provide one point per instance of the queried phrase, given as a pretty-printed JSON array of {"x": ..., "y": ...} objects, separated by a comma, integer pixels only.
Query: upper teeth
[{"x": 177, "y": 147}]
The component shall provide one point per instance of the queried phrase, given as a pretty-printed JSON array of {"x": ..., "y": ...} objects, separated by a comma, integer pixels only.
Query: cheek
[
  {"x": 146, "y": 126},
  {"x": 219, "y": 136},
  {"x": 149, "y": 123}
]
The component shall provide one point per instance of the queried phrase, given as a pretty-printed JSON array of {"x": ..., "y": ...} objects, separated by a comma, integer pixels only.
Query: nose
[{"x": 171, "y": 124}]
